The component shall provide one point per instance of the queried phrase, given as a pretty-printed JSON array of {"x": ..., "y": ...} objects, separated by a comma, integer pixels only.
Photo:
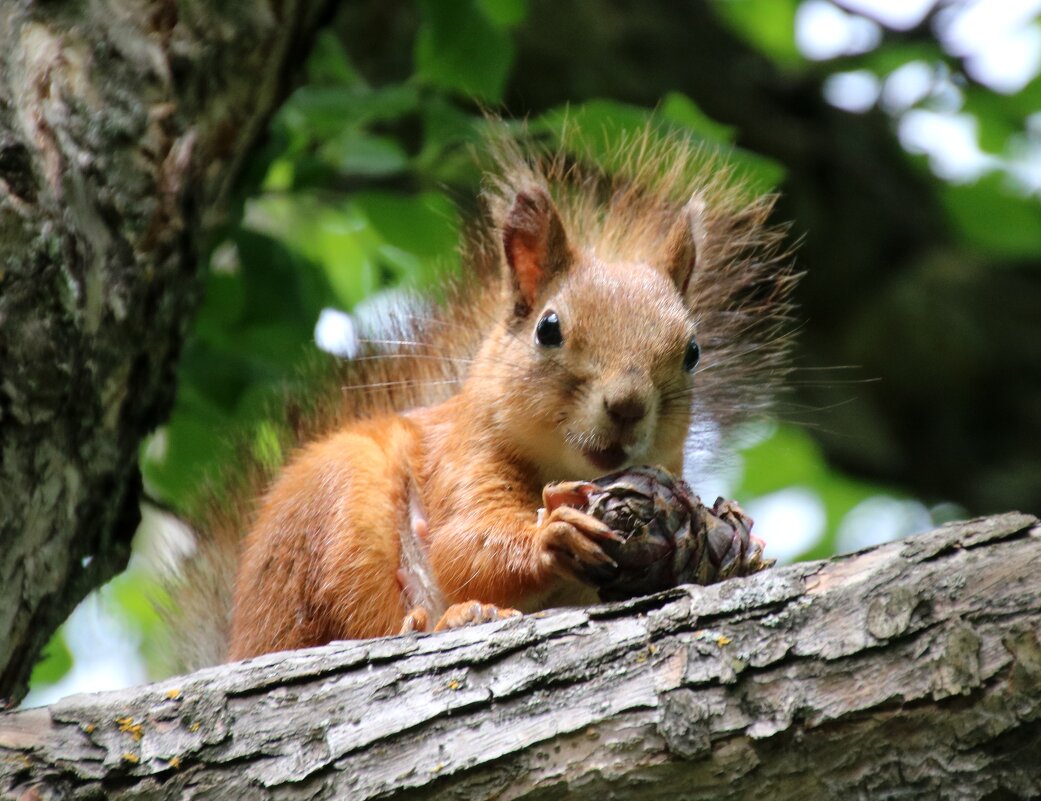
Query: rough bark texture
[
  {"x": 122, "y": 125},
  {"x": 912, "y": 670}
]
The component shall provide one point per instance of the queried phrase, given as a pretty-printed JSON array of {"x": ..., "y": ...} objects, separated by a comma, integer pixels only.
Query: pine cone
[{"x": 671, "y": 537}]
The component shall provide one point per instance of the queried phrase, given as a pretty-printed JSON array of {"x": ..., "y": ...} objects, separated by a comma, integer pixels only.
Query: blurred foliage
[
  {"x": 358, "y": 191},
  {"x": 767, "y": 25},
  {"x": 55, "y": 662}
]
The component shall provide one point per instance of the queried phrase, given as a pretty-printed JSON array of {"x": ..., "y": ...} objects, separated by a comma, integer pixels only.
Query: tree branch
[
  {"x": 912, "y": 669},
  {"x": 122, "y": 128}
]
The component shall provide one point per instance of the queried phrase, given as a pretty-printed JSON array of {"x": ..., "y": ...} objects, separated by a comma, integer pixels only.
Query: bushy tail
[{"x": 417, "y": 358}]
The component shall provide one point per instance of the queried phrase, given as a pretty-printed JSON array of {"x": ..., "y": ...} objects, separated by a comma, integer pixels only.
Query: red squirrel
[{"x": 604, "y": 314}]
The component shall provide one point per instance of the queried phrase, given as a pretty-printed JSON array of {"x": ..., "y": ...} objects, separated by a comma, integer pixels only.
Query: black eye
[
  {"x": 692, "y": 356},
  {"x": 547, "y": 332}
]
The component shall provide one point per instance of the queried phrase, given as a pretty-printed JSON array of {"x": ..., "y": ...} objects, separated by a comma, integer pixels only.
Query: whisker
[
  {"x": 402, "y": 343},
  {"x": 401, "y": 383},
  {"x": 846, "y": 382},
  {"x": 429, "y": 357}
]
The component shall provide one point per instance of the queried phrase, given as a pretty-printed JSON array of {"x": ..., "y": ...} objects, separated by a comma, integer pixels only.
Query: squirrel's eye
[
  {"x": 547, "y": 332},
  {"x": 692, "y": 356}
]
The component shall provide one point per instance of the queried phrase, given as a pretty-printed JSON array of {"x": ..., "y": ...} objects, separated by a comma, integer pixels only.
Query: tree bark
[
  {"x": 909, "y": 670},
  {"x": 122, "y": 127}
]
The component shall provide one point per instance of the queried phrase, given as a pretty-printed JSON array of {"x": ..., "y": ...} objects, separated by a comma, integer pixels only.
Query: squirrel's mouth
[{"x": 607, "y": 459}]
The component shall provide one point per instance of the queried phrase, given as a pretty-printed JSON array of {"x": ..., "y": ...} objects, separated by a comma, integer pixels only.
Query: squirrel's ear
[
  {"x": 683, "y": 244},
  {"x": 535, "y": 244}
]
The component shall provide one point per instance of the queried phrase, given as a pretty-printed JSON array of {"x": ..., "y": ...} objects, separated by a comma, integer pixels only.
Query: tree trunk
[
  {"x": 911, "y": 670},
  {"x": 122, "y": 127}
]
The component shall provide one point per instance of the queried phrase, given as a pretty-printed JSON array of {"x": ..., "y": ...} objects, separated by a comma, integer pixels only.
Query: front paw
[{"x": 571, "y": 539}]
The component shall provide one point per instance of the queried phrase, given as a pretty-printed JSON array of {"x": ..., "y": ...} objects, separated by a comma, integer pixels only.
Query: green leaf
[
  {"x": 680, "y": 109},
  {"x": 317, "y": 112},
  {"x": 892, "y": 55},
  {"x": 357, "y": 153},
  {"x": 279, "y": 285},
  {"x": 348, "y": 264},
  {"x": 280, "y": 176},
  {"x": 785, "y": 458},
  {"x": 768, "y": 25},
  {"x": 55, "y": 662},
  {"x": 215, "y": 373},
  {"x": 426, "y": 224},
  {"x": 445, "y": 157},
  {"x": 128, "y": 597},
  {"x": 276, "y": 347},
  {"x": 997, "y": 120},
  {"x": 328, "y": 63},
  {"x": 789, "y": 457},
  {"x": 593, "y": 128},
  {"x": 988, "y": 216},
  {"x": 1002, "y": 118},
  {"x": 1027, "y": 101},
  {"x": 458, "y": 48},
  {"x": 224, "y": 303},
  {"x": 596, "y": 128},
  {"x": 336, "y": 238},
  {"x": 403, "y": 267},
  {"x": 420, "y": 234},
  {"x": 504, "y": 13},
  {"x": 194, "y": 446},
  {"x": 758, "y": 173}
]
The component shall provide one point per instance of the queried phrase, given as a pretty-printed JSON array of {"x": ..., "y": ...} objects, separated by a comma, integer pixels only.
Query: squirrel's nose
[{"x": 625, "y": 411}]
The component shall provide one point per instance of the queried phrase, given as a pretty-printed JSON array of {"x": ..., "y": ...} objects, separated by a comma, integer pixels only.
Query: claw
[
  {"x": 417, "y": 619},
  {"x": 566, "y": 493},
  {"x": 472, "y": 613},
  {"x": 587, "y": 524}
]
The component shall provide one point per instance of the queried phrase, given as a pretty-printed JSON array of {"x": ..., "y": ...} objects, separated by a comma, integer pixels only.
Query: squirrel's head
[{"x": 595, "y": 363}]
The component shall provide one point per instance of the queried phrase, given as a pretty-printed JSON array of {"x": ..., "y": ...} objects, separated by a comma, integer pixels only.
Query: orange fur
[{"x": 451, "y": 437}]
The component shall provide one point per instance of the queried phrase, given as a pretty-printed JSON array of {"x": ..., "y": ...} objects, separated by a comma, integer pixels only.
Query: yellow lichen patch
[
  {"x": 644, "y": 655},
  {"x": 131, "y": 758},
  {"x": 128, "y": 726},
  {"x": 88, "y": 728},
  {"x": 173, "y": 695},
  {"x": 195, "y": 726},
  {"x": 722, "y": 640},
  {"x": 174, "y": 762}
]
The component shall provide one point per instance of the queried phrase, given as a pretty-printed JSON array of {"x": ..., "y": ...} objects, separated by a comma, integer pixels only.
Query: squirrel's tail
[{"x": 418, "y": 357}]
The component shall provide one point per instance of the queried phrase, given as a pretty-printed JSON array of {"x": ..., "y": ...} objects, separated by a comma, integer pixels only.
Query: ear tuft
[
  {"x": 534, "y": 243},
  {"x": 683, "y": 245}
]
